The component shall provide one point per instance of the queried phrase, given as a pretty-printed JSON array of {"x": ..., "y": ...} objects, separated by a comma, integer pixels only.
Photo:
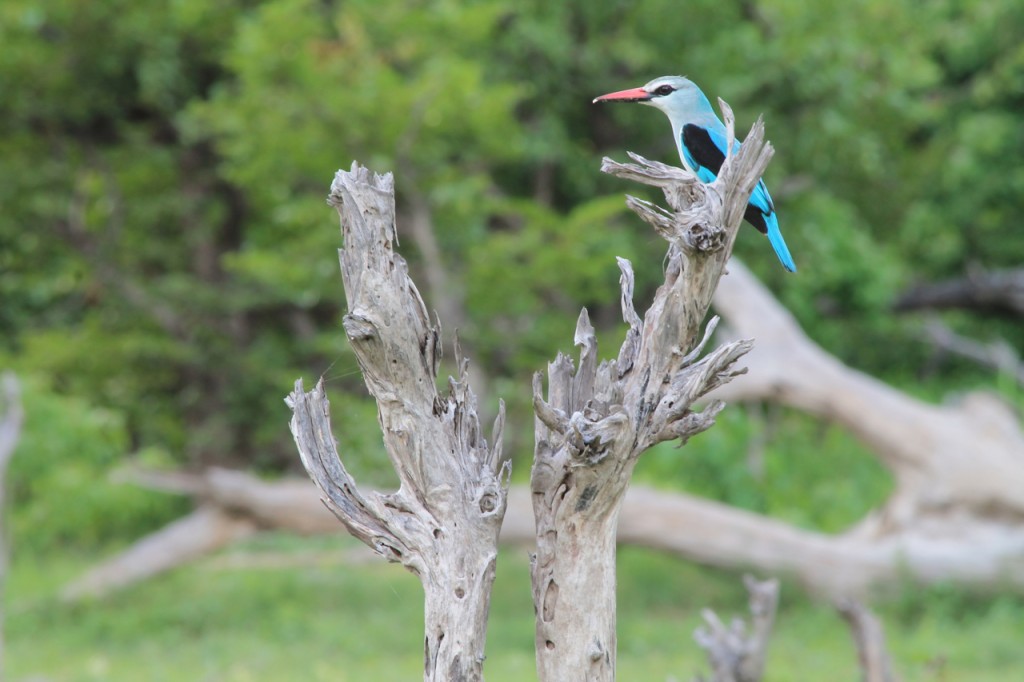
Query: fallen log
[
  {"x": 699, "y": 530},
  {"x": 958, "y": 504},
  {"x": 203, "y": 531},
  {"x": 956, "y": 514}
]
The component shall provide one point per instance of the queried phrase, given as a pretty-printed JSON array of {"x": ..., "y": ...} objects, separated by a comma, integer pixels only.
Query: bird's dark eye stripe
[{"x": 664, "y": 90}]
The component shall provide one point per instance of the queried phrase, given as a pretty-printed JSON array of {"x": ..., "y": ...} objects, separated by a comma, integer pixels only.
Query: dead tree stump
[
  {"x": 598, "y": 419},
  {"x": 443, "y": 521}
]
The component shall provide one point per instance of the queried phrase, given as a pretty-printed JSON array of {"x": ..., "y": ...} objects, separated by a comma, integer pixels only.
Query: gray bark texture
[
  {"x": 443, "y": 521},
  {"x": 597, "y": 419}
]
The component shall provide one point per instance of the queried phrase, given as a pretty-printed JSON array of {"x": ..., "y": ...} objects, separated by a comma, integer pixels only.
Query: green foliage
[
  {"x": 60, "y": 484},
  {"x": 166, "y": 259}
]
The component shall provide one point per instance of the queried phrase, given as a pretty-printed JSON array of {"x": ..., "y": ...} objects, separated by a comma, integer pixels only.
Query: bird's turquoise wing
[
  {"x": 703, "y": 150},
  {"x": 759, "y": 197}
]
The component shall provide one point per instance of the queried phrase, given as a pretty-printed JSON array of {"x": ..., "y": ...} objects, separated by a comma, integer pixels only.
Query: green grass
[{"x": 319, "y": 619}]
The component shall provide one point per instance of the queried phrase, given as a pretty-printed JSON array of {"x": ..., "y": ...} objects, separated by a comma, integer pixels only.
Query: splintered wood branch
[
  {"x": 730, "y": 126},
  {"x": 685, "y": 388},
  {"x": 598, "y": 418},
  {"x": 443, "y": 521},
  {"x": 364, "y": 518},
  {"x": 694, "y": 529},
  {"x": 735, "y": 655},
  {"x": 648, "y": 172}
]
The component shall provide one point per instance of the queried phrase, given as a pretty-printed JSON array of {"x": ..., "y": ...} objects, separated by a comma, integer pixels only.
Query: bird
[{"x": 701, "y": 139}]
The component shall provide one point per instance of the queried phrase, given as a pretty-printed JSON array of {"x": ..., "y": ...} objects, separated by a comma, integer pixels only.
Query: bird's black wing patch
[
  {"x": 707, "y": 158},
  {"x": 755, "y": 217},
  {"x": 701, "y": 149}
]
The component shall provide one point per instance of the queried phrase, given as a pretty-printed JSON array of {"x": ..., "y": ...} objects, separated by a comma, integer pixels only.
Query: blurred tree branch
[
  {"x": 869, "y": 638},
  {"x": 998, "y": 354},
  {"x": 10, "y": 431},
  {"x": 996, "y": 291},
  {"x": 735, "y": 655}
]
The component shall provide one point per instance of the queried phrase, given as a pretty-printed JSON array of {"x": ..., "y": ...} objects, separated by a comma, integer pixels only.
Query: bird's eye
[{"x": 664, "y": 90}]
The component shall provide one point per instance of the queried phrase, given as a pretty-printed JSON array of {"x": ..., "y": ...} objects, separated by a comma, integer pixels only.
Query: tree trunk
[
  {"x": 598, "y": 419},
  {"x": 576, "y": 598},
  {"x": 442, "y": 523}
]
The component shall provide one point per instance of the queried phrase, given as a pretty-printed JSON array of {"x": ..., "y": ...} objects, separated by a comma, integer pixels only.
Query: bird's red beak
[{"x": 633, "y": 95}]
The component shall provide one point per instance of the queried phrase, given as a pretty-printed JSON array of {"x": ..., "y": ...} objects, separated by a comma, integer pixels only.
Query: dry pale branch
[
  {"x": 10, "y": 432},
  {"x": 232, "y": 505},
  {"x": 696, "y": 529},
  {"x": 442, "y": 523},
  {"x": 597, "y": 419},
  {"x": 701, "y": 530},
  {"x": 869, "y": 637},
  {"x": 957, "y": 509},
  {"x": 10, "y": 423},
  {"x": 1000, "y": 291},
  {"x": 735, "y": 655},
  {"x": 207, "y": 529},
  {"x": 998, "y": 354}
]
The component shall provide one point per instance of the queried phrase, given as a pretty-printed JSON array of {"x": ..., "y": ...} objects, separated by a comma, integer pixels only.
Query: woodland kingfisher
[{"x": 701, "y": 139}]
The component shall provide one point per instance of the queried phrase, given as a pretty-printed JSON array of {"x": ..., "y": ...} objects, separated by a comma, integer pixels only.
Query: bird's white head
[{"x": 678, "y": 97}]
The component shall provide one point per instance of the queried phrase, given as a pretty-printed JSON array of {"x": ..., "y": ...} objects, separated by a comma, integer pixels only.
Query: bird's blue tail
[{"x": 778, "y": 243}]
